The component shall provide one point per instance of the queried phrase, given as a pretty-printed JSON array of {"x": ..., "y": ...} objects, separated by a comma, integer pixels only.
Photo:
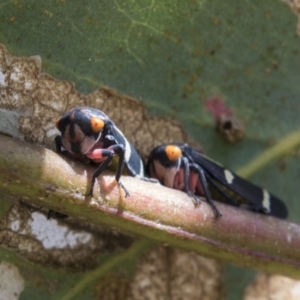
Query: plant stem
[
  {"x": 40, "y": 176},
  {"x": 281, "y": 148}
]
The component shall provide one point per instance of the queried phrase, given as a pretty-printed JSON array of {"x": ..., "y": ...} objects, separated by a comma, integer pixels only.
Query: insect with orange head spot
[
  {"x": 89, "y": 134},
  {"x": 181, "y": 167}
]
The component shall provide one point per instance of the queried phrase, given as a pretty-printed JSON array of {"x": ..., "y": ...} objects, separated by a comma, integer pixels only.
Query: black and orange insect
[
  {"x": 89, "y": 134},
  {"x": 181, "y": 167}
]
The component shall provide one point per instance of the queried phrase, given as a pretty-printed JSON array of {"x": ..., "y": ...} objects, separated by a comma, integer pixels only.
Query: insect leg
[
  {"x": 105, "y": 153},
  {"x": 120, "y": 151},
  {"x": 202, "y": 178},
  {"x": 111, "y": 140},
  {"x": 58, "y": 144},
  {"x": 186, "y": 167}
]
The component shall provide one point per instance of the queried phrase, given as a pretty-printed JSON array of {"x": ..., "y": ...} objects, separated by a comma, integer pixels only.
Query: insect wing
[
  {"x": 133, "y": 160},
  {"x": 260, "y": 199}
]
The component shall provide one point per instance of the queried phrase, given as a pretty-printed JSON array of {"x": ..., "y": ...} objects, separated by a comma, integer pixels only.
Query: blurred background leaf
[{"x": 175, "y": 55}]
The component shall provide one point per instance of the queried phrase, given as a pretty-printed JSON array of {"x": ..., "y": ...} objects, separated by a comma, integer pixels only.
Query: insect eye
[
  {"x": 173, "y": 152},
  {"x": 97, "y": 124},
  {"x": 57, "y": 123}
]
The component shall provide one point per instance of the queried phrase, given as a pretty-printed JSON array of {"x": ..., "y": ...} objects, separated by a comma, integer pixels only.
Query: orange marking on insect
[
  {"x": 173, "y": 152},
  {"x": 97, "y": 124}
]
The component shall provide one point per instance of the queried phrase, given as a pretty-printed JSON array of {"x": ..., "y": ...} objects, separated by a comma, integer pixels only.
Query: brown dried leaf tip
[
  {"x": 295, "y": 7},
  {"x": 229, "y": 126}
]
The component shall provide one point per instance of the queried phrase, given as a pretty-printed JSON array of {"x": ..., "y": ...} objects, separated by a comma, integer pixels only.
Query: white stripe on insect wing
[
  {"x": 228, "y": 176},
  {"x": 266, "y": 200},
  {"x": 142, "y": 172},
  {"x": 128, "y": 152},
  {"x": 127, "y": 145}
]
